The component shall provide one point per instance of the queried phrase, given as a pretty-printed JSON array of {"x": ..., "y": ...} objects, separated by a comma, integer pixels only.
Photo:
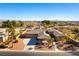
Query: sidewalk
[{"x": 8, "y": 50}]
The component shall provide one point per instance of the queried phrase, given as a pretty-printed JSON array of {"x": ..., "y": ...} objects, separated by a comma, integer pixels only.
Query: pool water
[{"x": 33, "y": 41}]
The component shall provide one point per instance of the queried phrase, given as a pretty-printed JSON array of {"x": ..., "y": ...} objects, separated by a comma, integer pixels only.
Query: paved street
[{"x": 5, "y": 53}]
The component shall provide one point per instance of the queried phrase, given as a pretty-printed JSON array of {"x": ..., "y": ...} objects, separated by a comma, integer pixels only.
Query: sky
[{"x": 40, "y": 11}]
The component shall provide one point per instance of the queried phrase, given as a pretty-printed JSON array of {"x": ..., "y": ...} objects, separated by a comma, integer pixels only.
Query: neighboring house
[
  {"x": 3, "y": 34},
  {"x": 57, "y": 34},
  {"x": 29, "y": 28},
  {"x": 3, "y": 37}
]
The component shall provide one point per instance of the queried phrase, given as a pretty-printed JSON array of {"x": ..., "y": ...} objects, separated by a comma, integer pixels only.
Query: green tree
[
  {"x": 13, "y": 23},
  {"x": 46, "y": 23},
  {"x": 50, "y": 40},
  {"x": 6, "y": 24},
  {"x": 21, "y": 24},
  {"x": 11, "y": 34}
]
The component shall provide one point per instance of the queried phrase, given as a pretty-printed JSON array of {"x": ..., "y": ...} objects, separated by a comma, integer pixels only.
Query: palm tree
[{"x": 50, "y": 40}]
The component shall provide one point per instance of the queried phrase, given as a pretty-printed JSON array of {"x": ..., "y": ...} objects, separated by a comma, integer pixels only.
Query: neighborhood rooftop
[{"x": 56, "y": 33}]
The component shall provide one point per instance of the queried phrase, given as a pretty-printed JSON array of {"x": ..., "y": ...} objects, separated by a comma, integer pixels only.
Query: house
[
  {"x": 40, "y": 33},
  {"x": 32, "y": 38},
  {"x": 37, "y": 33}
]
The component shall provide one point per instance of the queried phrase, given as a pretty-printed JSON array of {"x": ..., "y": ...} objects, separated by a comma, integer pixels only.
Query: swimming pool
[
  {"x": 30, "y": 43},
  {"x": 33, "y": 41}
]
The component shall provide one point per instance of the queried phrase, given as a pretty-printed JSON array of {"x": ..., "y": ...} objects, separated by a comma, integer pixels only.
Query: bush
[
  {"x": 8, "y": 41},
  {"x": 2, "y": 45},
  {"x": 14, "y": 41},
  {"x": 10, "y": 45}
]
